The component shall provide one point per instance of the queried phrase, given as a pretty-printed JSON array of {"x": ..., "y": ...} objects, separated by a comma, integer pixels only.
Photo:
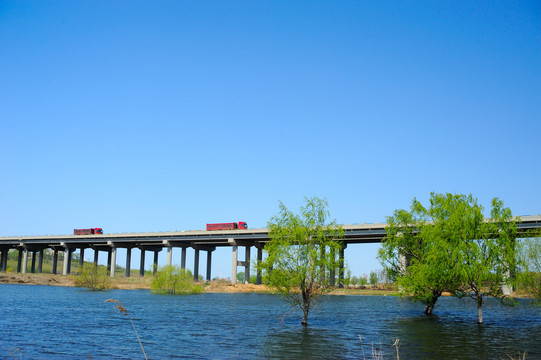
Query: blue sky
[{"x": 166, "y": 115}]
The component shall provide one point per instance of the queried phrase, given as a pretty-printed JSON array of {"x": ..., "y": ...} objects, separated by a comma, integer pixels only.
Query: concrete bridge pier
[
  {"x": 259, "y": 260},
  {"x": 155, "y": 267},
  {"x": 112, "y": 258},
  {"x": 67, "y": 254},
  {"x": 81, "y": 258},
  {"x": 169, "y": 255},
  {"x": 40, "y": 263},
  {"x": 19, "y": 260},
  {"x": 96, "y": 256},
  {"x": 4, "y": 260},
  {"x": 209, "y": 262},
  {"x": 33, "y": 267},
  {"x": 55, "y": 260},
  {"x": 332, "y": 275},
  {"x": 142, "y": 264},
  {"x": 183, "y": 258},
  {"x": 234, "y": 265},
  {"x": 128, "y": 261},
  {"x": 341, "y": 266},
  {"x": 109, "y": 258},
  {"x": 25, "y": 260},
  {"x": 196, "y": 264},
  {"x": 246, "y": 263}
]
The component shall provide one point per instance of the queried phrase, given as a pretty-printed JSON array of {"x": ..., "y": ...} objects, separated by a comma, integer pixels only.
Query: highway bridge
[{"x": 199, "y": 240}]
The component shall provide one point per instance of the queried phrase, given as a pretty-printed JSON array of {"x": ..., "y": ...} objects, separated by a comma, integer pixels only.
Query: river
[{"x": 47, "y": 322}]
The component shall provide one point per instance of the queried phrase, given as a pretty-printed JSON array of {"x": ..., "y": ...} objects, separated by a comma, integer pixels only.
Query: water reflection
[{"x": 302, "y": 343}]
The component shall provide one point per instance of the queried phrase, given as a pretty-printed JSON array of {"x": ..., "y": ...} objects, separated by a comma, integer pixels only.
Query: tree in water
[
  {"x": 301, "y": 255},
  {"x": 450, "y": 247}
]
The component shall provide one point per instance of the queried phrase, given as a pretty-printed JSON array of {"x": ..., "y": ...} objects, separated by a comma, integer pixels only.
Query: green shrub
[
  {"x": 93, "y": 278},
  {"x": 175, "y": 281}
]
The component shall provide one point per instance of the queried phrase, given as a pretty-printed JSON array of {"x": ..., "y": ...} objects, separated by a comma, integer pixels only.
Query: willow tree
[
  {"x": 406, "y": 255},
  {"x": 452, "y": 247},
  {"x": 301, "y": 255}
]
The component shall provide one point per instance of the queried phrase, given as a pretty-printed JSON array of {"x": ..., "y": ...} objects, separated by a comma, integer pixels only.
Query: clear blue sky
[{"x": 165, "y": 115}]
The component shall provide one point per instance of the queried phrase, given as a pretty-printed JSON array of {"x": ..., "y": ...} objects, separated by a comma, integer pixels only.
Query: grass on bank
[{"x": 173, "y": 280}]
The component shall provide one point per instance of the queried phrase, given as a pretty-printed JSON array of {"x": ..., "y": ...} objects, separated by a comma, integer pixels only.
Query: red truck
[
  {"x": 241, "y": 225},
  {"x": 91, "y": 231}
]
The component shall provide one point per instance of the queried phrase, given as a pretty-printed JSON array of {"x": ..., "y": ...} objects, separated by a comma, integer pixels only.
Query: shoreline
[{"x": 139, "y": 283}]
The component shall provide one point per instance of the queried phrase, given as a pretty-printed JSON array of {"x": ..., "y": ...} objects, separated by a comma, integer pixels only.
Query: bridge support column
[
  {"x": 332, "y": 275},
  {"x": 341, "y": 266},
  {"x": 128, "y": 261},
  {"x": 196, "y": 265},
  {"x": 322, "y": 275},
  {"x": 19, "y": 260},
  {"x": 33, "y": 267},
  {"x": 70, "y": 253},
  {"x": 65, "y": 269},
  {"x": 96, "y": 255},
  {"x": 234, "y": 268},
  {"x": 25, "y": 260},
  {"x": 209, "y": 262},
  {"x": 108, "y": 260},
  {"x": 169, "y": 255},
  {"x": 247, "y": 265},
  {"x": 40, "y": 263},
  {"x": 142, "y": 264},
  {"x": 155, "y": 267},
  {"x": 259, "y": 260},
  {"x": 183, "y": 259},
  {"x": 112, "y": 255},
  {"x": 81, "y": 258},
  {"x": 4, "y": 260},
  {"x": 55, "y": 260}
]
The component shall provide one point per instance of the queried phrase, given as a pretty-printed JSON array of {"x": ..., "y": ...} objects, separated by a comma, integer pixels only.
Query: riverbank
[{"x": 131, "y": 283}]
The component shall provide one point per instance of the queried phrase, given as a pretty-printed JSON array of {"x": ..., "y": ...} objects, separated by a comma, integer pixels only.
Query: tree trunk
[
  {"x": 479, "y": 309},
  {"x": 305, "y": 317},
  {"x": 305, "y": 307},
  {"x": 432, "y": 302}
]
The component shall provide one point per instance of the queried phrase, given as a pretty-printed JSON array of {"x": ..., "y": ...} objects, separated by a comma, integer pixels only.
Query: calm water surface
[{"x": 41, "y": 322}]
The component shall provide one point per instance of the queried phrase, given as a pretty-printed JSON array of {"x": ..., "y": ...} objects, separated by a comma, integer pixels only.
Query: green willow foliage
[
  {"x": 450, "y": 246},
  {"x": 174, "y": 280},
  {"x": 301, "y": 255},
  {"x": 530, "y": 278}
]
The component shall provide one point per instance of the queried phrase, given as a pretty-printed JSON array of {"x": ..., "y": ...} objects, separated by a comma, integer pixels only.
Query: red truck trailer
[
  {"x": 91, "y": 231},
  {"x": 241, "y": 225}
]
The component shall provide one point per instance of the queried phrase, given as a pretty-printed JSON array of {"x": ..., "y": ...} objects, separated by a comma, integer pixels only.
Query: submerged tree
[
  {"x": 405, "y": 255},
  {"x": 451, "y": 247},
  {"x": 301, "y": 255}
]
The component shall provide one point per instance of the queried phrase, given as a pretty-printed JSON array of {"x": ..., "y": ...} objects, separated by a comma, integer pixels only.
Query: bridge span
[{"x": 199, "y": 240}]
